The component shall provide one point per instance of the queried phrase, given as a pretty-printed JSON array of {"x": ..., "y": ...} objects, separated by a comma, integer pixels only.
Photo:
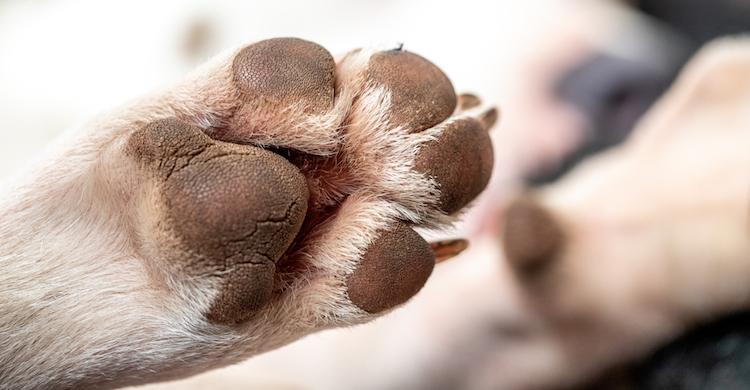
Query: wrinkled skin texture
[{"x": 270, "y": 194}]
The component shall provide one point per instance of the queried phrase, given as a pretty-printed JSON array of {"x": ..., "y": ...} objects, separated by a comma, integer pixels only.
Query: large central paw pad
[{"x": 303, "y": 190}]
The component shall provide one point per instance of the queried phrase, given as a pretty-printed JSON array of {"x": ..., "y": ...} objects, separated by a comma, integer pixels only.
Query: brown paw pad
[
  {"x": 233, "y": 210},
  {"x": 394, "y": 268},
  {"x": 532, "y": 238},
  {"x": 460, "y": 161},
  {"x": 421, "y": 94},
  {"x": 284, "y": 72}
]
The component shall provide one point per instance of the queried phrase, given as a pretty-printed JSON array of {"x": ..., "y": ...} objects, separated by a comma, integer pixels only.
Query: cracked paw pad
[{"x": 233, "y": 210}]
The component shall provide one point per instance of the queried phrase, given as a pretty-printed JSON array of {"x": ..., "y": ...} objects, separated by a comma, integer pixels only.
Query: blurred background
[
  {"x": 62, "y": 61},
  {"x": 570, "y": 77}
]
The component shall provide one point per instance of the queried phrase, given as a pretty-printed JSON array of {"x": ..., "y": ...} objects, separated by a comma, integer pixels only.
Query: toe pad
[
  {"x": 460, "y": 161},
  {"x": 283, "y": 72},
  {"x": 421, "y": 94},
  {"x": 394, "y": 268}
]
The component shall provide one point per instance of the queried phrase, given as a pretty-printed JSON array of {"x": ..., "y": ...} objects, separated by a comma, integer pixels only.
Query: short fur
[{"x": 79, "y": 304}]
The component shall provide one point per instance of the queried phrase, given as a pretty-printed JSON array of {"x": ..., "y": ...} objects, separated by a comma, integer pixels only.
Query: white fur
[{"x": 80, "y": 305}]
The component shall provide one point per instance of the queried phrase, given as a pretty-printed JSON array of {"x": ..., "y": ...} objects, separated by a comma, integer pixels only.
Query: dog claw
[
  {"x": 448, "y": 249},
  {"x": 467, "y": 101},
  {"x": 488, "y": 118}
]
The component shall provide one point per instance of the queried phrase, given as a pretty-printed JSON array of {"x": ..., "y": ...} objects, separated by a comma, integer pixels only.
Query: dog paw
[{"x": 272, "y": 193}]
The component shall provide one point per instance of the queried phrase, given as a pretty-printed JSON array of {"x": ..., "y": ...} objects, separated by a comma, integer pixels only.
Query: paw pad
[
  {"x": 460, "y": 161},
  {"x": 399, "y": 259},
  {"x": 346, "y": 158},
  {"x": 284, "y": 72},
  {"x": 421, "y": 95},
  {"x": 231, "y": 210}
]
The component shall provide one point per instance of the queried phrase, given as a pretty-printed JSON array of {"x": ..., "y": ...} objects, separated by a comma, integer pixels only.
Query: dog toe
[
  {"x": 284, "y": 72},
  {"x": 421, "y": 95},
  {"x": 393, "y": 269},
  {"x": 460, "y": 160}
]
